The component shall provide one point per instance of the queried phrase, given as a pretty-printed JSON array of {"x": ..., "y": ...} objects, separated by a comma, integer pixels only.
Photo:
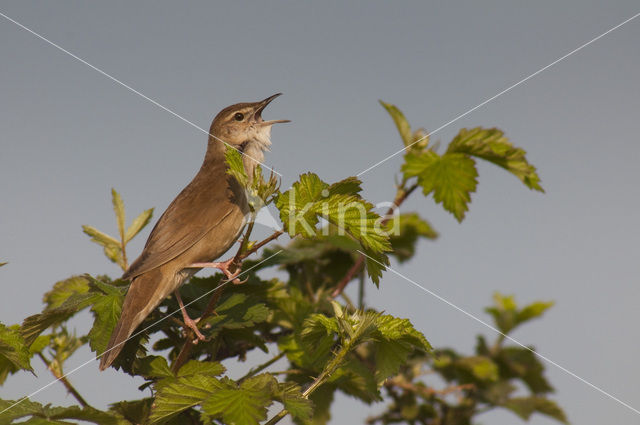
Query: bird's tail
[{"x": 143, "y": 296}]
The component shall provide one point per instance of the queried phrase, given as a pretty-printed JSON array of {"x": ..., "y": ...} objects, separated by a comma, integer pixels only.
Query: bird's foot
[
  {"x": 223, "y": 266},
  {"x": 188, "y": 321},
  {"x": 192, "y": 324}
]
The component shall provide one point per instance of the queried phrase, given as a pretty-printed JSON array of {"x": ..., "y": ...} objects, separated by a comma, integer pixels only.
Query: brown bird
[{"x": 200, "y": 225}]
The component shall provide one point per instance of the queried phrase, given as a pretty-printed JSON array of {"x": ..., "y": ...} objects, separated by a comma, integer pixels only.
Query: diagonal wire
[
  {"x": 546, "y": 359},
  {"x": 530, "y": 76},
  {"x": 134, "y": 335},
  {"x": 115, "y": 80}
]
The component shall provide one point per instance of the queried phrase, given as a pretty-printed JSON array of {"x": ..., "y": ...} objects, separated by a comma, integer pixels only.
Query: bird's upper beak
[{"x": 260, "y": 107}]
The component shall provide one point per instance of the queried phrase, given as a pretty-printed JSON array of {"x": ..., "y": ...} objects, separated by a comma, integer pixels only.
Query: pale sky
[{"x": 69, "y": 134}]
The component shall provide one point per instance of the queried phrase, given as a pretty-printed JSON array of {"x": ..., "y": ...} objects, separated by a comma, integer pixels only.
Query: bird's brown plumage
[{"x": 201, "y": 223}]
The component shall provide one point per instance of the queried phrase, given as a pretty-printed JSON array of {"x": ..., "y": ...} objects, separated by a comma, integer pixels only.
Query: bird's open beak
[{"x": 260, "y": 107}]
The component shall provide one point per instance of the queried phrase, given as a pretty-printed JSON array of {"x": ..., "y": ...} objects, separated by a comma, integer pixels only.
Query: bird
[{"x": 200, "y": 224}]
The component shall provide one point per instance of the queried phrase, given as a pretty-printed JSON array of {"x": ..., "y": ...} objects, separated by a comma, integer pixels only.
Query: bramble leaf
[
  {"x": 401, "y": 122},
  {"x": 236, "y": 166},
  {"x": 451, "y": 177},
  {"x": 526, "y": 406},
  {"x": 138, "y": 224},
  {"x": 245, "y": 404},
  {"x": 13, "y": 349},
  {"x": 491, "y": 145},
  {"x": 106, "y": 310},
  {"x": 118, "y": 208}
]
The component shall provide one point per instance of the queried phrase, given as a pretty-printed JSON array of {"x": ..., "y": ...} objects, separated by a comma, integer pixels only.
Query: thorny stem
[
  {"x": 401, "y": 195},
  {"x": 326, "y": 373},
  {"x": 62, "y": 378}
]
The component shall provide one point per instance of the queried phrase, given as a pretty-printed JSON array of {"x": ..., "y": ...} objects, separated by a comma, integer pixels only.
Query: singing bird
[{"x": 199, "y": 226}]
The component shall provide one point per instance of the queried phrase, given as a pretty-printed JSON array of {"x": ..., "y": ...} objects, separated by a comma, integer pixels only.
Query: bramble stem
[{"x": 60, "y": 377}]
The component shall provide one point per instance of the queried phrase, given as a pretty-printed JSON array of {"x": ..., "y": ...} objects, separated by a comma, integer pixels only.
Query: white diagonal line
[
  {"x": 501, "y": 93},
  {"x": 546, "y": 359},
  {"x": 114, "y": 79},
  {"x": 134, "y": 335}
]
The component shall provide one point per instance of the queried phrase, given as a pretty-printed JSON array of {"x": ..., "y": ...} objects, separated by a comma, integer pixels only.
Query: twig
[
  {"x": 261, "y": 367},
  {"x": 401, "y": 195},
  {"x": 63, "y": 378}
]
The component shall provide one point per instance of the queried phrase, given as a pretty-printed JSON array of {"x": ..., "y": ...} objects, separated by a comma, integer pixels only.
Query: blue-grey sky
[{"x": 69, "y": 134}]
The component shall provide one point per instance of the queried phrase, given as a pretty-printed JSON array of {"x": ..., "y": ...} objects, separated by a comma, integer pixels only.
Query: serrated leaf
[
  {"x": 138, "y": 224},
  {"x": 357, "y": 380},
  {"x": 13, "y": 348},
  {"x": 99, "y": 237},
  {"x": 532, "y": 311},
  {"x": 195, "y": 367},
  {"x": 153, "y": 367},
  {"x": 396, "y": 338},
  {"x": 521, "y": 363},
  {"x": 450, "y": 177},
  {"x": 134, "y": 411},
  {"x": 238, "y": 311},
  {"x": 290, "y": 395},
  {"x": 243, "y": 405},
  {"x": 174, "y": 395},
  {"x": 34, "y": 325},
  {"x": 401, "y": 122},
  {"x": 236, "y": 166},
  {"x": 64, "y": 289},
  {"x": 526, "y": 406},
  {"x": 118, "y": 208},
  {"x": 106, "y": 310},
  {"x": 491, "y": 145},
  {"x": 52, "y": 415}
]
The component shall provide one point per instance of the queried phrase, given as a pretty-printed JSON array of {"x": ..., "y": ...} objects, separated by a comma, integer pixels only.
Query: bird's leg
[
  {"x": 188, "y": 321},
  {"x": 223, "y": 266}
]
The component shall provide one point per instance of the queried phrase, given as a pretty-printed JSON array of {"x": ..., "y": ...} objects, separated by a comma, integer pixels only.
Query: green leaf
[
  {"x": 138, "y": 224},
  {"x": 401, "y": 122},
  {"x": 174, "y": 395},
  {"x": 153, "y": 367},
  {"x": 134, "y": 411},
  {"x": 242, "y": 405},
  {"x": 99, "y": 237},
  {"x": 491, "y": 145},
  {"x": 404, "y": 230},
  {"x": 13, "y": 348},
  {"x": 106, "y": 310},
  {"x": 40, "y": 414},
  {"x": 451, "y": 177},
  {"x": 395, "y": 340},
  {"x": 34, "y": 325},
  {"x": 236, "y": 166},
  {"x": 290, "y": 395},
  {"x": 532, "y": 311},
  {"x": 525, "y": 406},
  {"x": 64, "y": 289},
  {"x": 482, "y": 368},
  {"x": 118, "y": 208},
  {"x": 195, "y": 367},
  {"x": 340, "y": 204},
  {"x": 238, "y": 311}
]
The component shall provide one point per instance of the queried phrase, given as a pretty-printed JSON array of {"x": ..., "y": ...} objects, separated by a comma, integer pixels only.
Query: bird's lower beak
[{"x": 263, "y": 104}]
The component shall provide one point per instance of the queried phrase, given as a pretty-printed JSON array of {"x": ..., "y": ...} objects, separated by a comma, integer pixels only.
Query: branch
[
  {"x": 401, "y": 195},
  {"x": 62, "y": 378}
]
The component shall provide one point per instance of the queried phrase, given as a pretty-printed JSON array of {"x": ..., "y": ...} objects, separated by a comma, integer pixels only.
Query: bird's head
[{"x": 241, "y": 126}]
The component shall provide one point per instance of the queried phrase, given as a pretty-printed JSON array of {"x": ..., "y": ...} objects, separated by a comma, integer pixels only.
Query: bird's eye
[{"x": 238, "y": 116}]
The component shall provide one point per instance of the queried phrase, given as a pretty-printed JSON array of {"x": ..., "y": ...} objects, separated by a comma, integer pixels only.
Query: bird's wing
[{"x": 196, "y": 211}]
